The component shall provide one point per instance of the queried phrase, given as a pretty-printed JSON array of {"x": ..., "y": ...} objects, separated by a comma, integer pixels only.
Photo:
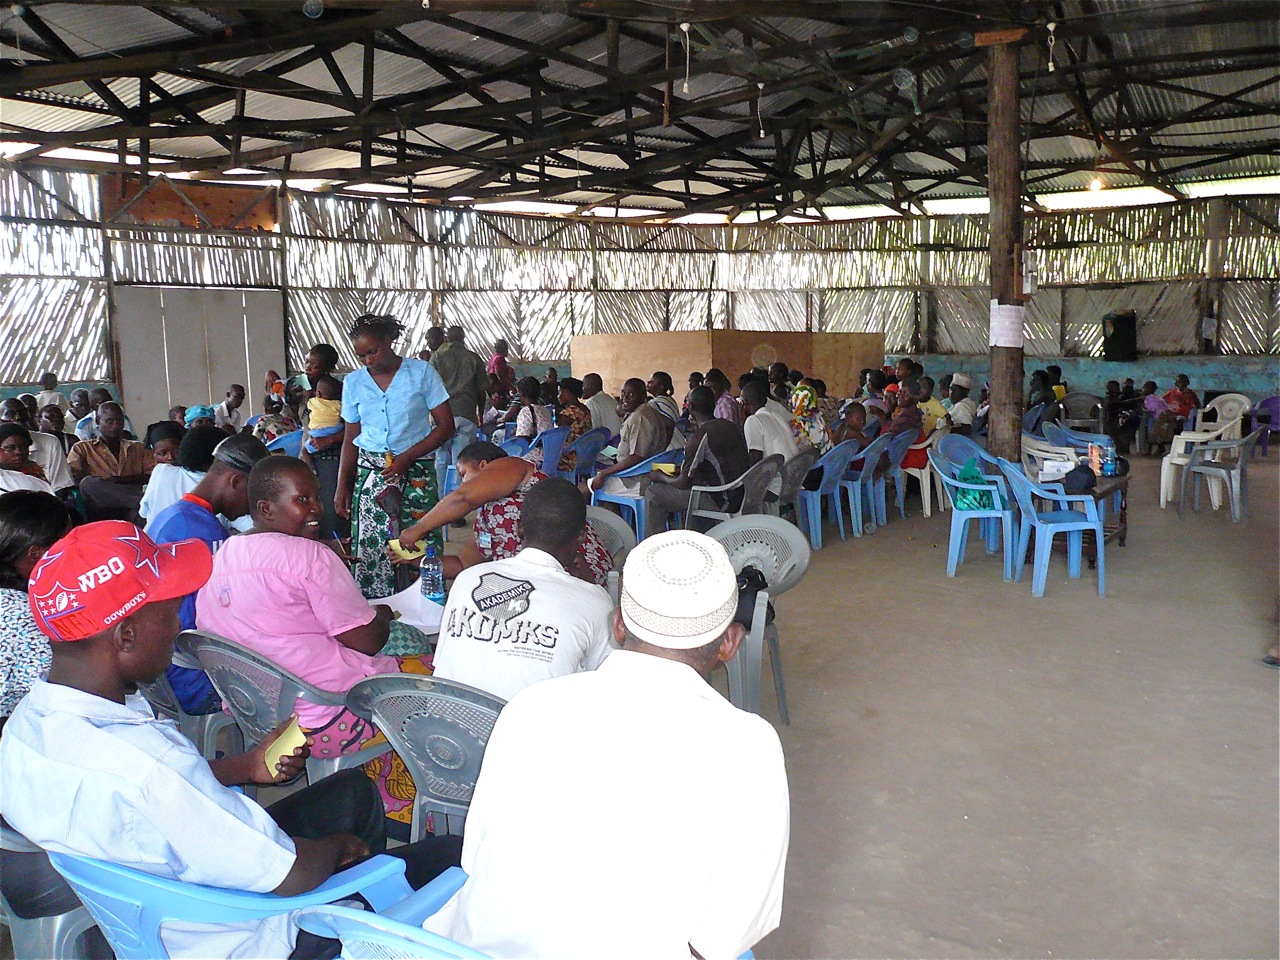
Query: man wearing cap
[
  {"x": 89, "y": 770},
  {"x": 672, "y": 805},
  {"x": 963, "y": 410},
  {"x": 222, "y": 491},
  {"x": 512, "y": 622}
]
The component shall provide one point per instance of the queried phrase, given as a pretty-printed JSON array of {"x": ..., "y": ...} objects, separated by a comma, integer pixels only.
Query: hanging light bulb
[
  {"x": 684, "y": 27},
  {"x": 1096, "y": 183}
]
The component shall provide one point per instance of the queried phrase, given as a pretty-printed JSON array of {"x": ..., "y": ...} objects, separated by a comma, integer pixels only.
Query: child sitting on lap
[{"x": 324, "y": 410}]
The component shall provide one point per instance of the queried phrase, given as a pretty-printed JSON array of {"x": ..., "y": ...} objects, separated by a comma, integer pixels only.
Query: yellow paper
[
  {"x": 398, "y": 549},
  {"x": 670, "y": 469},
  {"x": 283, "y": 746}
]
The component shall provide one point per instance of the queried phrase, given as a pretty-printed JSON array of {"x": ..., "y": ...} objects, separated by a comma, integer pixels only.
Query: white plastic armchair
[
  {"x": 926, "y": 473},
  {"x": 1179, "y": 456},
  {"x": 1230, "y": 409},
  {"x": 1036, "y": 450}
]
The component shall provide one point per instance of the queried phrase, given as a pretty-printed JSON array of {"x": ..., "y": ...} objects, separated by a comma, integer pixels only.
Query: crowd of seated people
[{"x": 254, "y": 547}]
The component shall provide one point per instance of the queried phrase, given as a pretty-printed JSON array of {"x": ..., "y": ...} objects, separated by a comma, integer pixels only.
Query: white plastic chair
[
  {"x": 1179, "y": 455},
  {"x": 618, "y": 538},
  {"x": 754, "y": 484},
  {"x": 262, "y": 695},
  {"x": 1036, "y": 450},
  {"x": 439, "y": 729},
  {"x": 926, "y": 473},
  {"x": 780, "y": 551},
  {"x": 200, "y": 729},
  {"x": 57, "y": 933},
  {"x": 1230, "y": 409}
]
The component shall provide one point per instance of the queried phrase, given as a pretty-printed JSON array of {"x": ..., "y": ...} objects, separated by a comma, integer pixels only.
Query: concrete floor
[{"x": 979, "y": 773}]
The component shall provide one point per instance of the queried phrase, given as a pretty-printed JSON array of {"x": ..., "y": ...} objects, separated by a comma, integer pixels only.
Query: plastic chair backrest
[
  {"x": 1270, "y": 405},
  {"x": 1229, "y": 405},
  {"x": 772, "y": 545},
  {"x": 614, "y": 532},
  {"x": 259, "y": 694},
  {"x": 755, "y": 483},
  {"x": 794, "y": 471},
  {"x": 1080, "y": 406},
  {"x": 516, "y": 447},
  {"x": 289, "y": 443},
  {"x": 1243, "y": 448},
  {"x": 552, "y": 444},
  {"x": 367, "y": 936},
  {"x": 959, "y": 450},
  {"x": 1023, "y": 490},
  {"x": 1031, "y": 419},
  {"x": 898, "y": 446},
  {"x": 130, "y": 905},
  {"x": 586, "y": 450},
  {"x": 642, "y": 468},
  {"x": 161, "y": 697},
  {"x": 439, "y": 729},
  {"x": 835, "y": 462}
]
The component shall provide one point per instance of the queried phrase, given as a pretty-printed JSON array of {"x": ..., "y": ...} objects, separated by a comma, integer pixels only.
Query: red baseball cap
[{"x": 102, "y": 572}]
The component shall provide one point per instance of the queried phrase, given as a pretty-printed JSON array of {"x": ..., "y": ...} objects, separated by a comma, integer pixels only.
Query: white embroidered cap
[{"x": 679, "y": 590}]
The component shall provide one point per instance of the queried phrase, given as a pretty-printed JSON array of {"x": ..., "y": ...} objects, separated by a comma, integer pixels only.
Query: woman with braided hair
[{"x": 395, "y": 412}]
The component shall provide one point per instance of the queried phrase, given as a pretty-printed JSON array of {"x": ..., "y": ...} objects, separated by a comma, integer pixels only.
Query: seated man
[
  {"x": 227, "y": 415},
  {"x": 714, "y": 454},
  {"x": 644, "y": 435},
  {"x": 642, "y": 734},
  {"x": 765, "y": 432},
  {"x": 513, "y": 622},
  {"x": 223, "y": 490},
  {"x": 90, "y": 771},
  {"x": 111, "y": 470},
  {"x": 963, "y": 409},
  {"x": 87, "y": 423}
]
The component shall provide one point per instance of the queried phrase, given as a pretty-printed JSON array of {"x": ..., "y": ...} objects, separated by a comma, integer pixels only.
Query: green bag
[{"x": 973, "y": 499}]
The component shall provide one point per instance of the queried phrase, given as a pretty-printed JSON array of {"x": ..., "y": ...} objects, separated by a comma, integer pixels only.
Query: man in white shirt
[
  {"x": 963, "y": 409},
  {"x": 604, "y": 408},
  {"x": 88, "y": 769},
  {"x": 228, "y": 414},
  {"x": 513, "y": 622},
  {"x": 87, "y": 426},
  {"x": 677, "y": 817},
  {"x": 766, "y": 432}
]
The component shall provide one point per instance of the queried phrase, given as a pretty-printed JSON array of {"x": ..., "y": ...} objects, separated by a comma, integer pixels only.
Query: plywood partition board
[
  {"x": 617, "y": 356},
  {"x": 838, "y": 358},
  {"x": 835, "y": 357}
]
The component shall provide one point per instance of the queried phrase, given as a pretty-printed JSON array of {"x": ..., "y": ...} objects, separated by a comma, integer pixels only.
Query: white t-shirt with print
[{"x": 510, "y": 623}]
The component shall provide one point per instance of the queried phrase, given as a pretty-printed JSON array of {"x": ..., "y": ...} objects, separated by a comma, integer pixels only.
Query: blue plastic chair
[
  {"x": 1001, "y": 511},
  {"x": 1049, "y": 523},
  {"x": 898, "y": 446},
  {"x": 130, "y": 905},
  {"x": 289, "y": 443},
  {"x": 586, "y": 450},
  {"x": 634, "y": 501},
  {"x": 833, "y": 465},
  {"x": 863, "y": 488},
  {"x": 1061, "y": 436},
  {"x": 552, "y": 444},
  {"x": 515, "y": 447},
  {"x": 1031, "y": 420},
  {"x": 397, "y": 931}
]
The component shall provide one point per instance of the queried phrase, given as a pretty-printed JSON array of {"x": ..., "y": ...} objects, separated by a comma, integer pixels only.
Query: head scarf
[
  {"x": 806, "y": 422},
  {"x": 195, "y": 413}
]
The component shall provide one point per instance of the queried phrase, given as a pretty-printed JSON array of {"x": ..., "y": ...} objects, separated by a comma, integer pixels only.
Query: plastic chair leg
[
  {"x": 1020, "y": 553},
  {"x": 1102, "y": 563},
  {"x": 926, "y": 495},
  {"x": 837, "y": 508},
  {"x": 1075, "y": 547},
  {"x": 955, "y": 551},
  {"x": 1006, "y": 523},
  {"x": 1040, "y": 572},
  {"x": 811, "y": 514},
  {"x": 855, "y": 506},
  {"x": 744, "y": 669},
  {"x": 775, "y": 664}
]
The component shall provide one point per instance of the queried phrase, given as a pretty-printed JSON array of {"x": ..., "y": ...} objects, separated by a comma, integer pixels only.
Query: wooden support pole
[{"x": 1004, "y": 425}]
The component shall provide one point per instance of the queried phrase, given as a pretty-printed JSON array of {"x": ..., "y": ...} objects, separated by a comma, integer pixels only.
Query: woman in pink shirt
[{"x": 286, "y": 595}]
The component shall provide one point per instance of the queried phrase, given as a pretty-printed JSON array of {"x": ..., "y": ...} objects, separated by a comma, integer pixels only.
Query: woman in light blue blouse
[
  {"x": 396, "y": 412},
  {"x": 30, "y": 523}
]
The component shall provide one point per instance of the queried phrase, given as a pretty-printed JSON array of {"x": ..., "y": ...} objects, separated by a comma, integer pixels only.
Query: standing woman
[{"x": 396, "y": 412}]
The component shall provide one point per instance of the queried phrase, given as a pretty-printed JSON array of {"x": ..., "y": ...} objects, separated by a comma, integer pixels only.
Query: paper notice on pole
[{"x": 1006, "y": 324}]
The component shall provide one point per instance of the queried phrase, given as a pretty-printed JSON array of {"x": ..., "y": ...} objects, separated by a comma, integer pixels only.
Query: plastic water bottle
[
  {"x": 1109, "y": 465},
  {"x": 431, "y": 577}
]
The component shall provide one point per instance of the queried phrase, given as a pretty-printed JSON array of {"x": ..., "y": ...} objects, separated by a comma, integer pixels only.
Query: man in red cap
[{"x": 89, "y": 770}]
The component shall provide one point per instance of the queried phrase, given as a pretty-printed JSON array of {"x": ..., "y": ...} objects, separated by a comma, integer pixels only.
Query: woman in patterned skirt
[{"x": 396, "y": 412}]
